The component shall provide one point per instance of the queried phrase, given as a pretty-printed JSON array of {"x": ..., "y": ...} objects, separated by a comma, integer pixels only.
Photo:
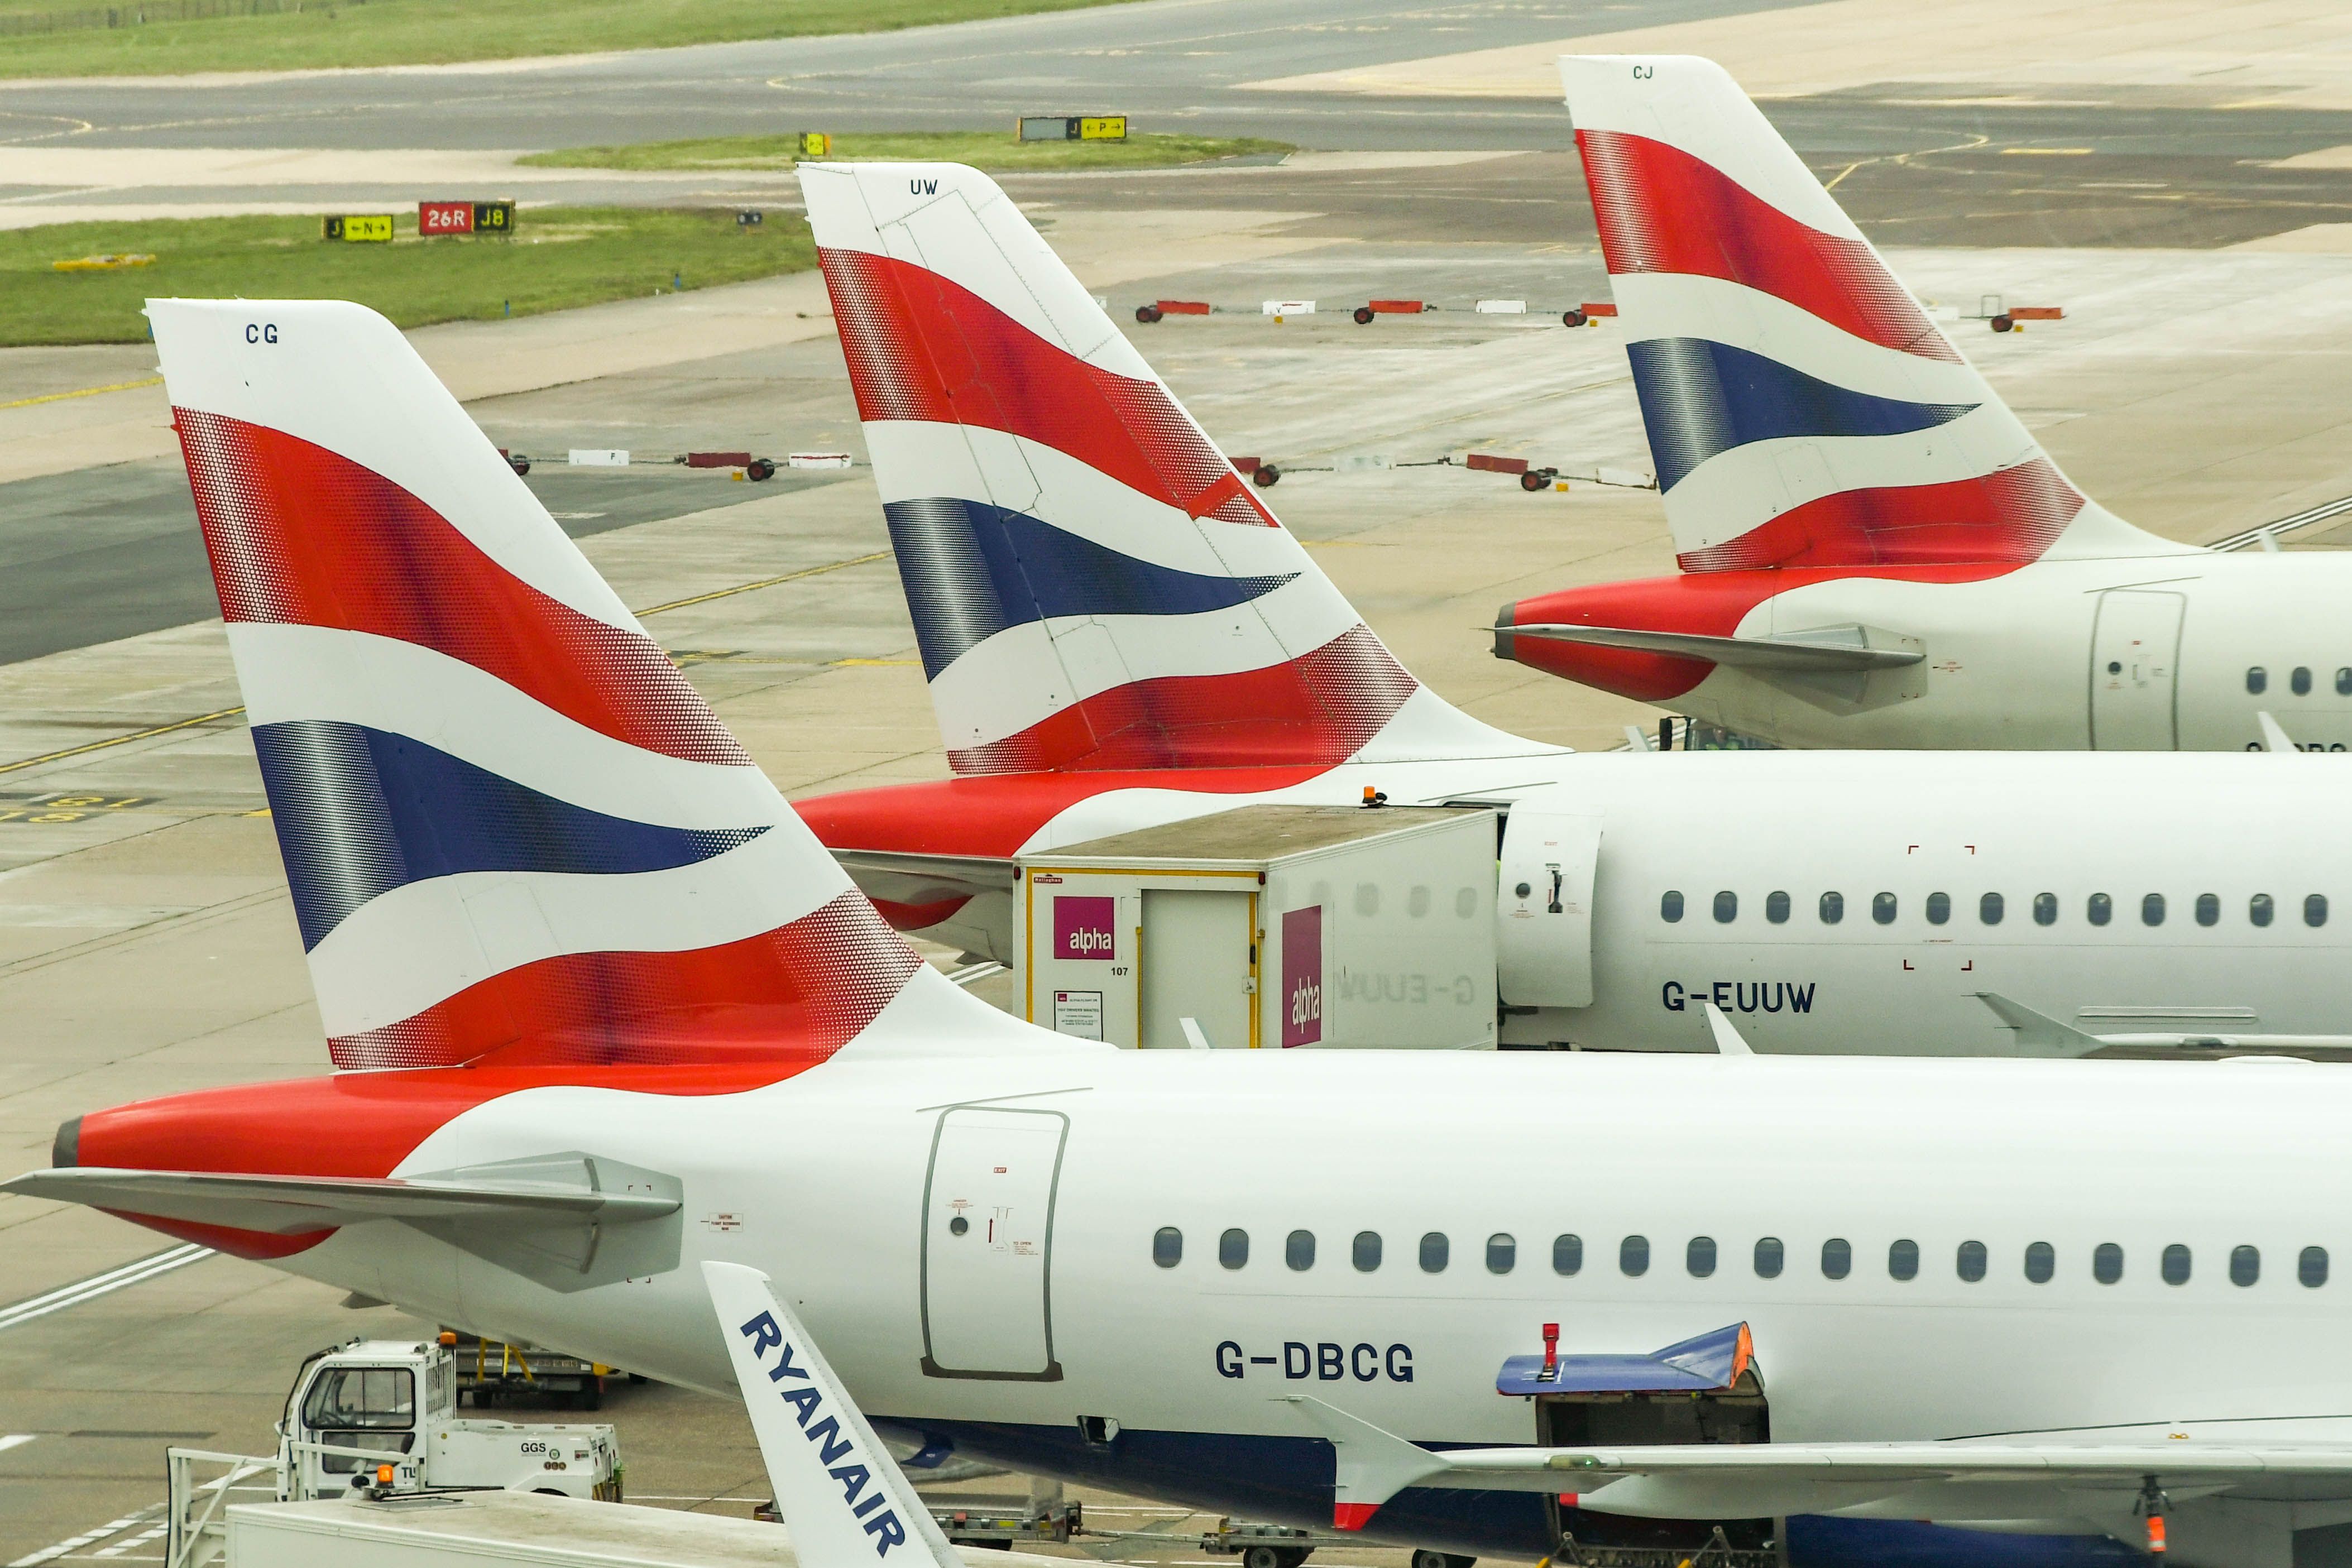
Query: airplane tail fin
[
  {"x": 1802, "y": 409},
  {"x": 514, "y": 834},
  {"x": 1092, "y": 585}
]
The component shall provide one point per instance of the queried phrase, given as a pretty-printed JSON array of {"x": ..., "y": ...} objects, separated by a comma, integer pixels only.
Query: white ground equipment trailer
[{"x": 379, "y": 1418}]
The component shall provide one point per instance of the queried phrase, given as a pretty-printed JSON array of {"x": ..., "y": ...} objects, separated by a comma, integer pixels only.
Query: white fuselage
[
  {"x": 1753, "y": 824},
  {"x": 2150, "y": 653},
  {"x": 844, "y": 1184}
]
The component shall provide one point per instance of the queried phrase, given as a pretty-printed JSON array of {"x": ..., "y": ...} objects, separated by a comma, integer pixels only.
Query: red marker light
[
  {"x": 2155, "y": 1534},
  {"x": 1551, "y": 1352}
]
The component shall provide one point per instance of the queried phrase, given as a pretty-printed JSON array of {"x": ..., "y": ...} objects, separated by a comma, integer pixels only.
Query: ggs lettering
[{"x": 832, "y": 1444}]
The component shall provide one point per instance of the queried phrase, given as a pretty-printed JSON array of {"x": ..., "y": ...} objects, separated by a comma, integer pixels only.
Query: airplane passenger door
[
  {"x": 988, "y": 1244},
  {"x": 2135, "y": 661}
]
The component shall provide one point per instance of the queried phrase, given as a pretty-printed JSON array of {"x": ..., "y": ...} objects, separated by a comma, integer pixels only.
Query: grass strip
[
  {"x": 998, "y": 152},
  {"x": 163, "y": 37},
  {"x": 559, "y": 257}
]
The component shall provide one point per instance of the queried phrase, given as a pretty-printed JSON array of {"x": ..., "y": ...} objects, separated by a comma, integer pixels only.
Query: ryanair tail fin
[{"x": 1803, "y": 410}]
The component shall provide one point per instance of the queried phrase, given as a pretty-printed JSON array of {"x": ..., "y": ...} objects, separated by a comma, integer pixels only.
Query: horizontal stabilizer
[
  {"x": 1800, "y": 655},
  {"x": 292, "y": 1205},
  {"x": 906, "y": 878}
]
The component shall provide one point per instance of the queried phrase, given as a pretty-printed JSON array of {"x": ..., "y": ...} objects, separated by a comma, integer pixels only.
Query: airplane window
[
  {"x": 2300, "y": 681},
  {"x": 1298, "y": 1250},
  {"x": 1970, "y": 1261},
  {"x": 1168, "y": 1247},
  {"x": 2209, "y": 909},
  {"x": 1367, "y": 1251},
  {"x": 2245, "y": 1265},
  {"x": 2046, "y": 909},
  {"x": 1882, "y": 908},
  {"x": 1367, "y": 899},
  {"x": 1727, "y": 908},
  {"x": 1940, "y": 908},
  {"x": 1776, "y": 909},
  {"x": 2311, "y": 1266},
  {"x": 1902, "y": 1259},
  {"x": 1567, "y": 1254},
  {"x": 1670, "y": 907},
  {"x": 2101, "y": 909},
  {"x": 1434, "y": 1251},
  {"x": 2258, "y": 909},
  {"x": 1769, "y": 1256},
  {"x": 1989, "y": 909},
  {"x": 1502, "y": 1254},
  {"x": 2040, "y": 1262},
  {"x": 1833, "y": 908},
  {"x": 1416, "y": 903},
  {"x": 2315, "y": 909},
  {"x": 2174, "y": 1265},
  {"x": 1633, "y": 1255},
  {"x": 2106, "y": 1263},
  {"x": 1699, "y": 1257},
  {"x": 2343, "y": 680},
  {"x": 2257, "y": 678},
  {"x": 1233, "y": 1248},
  {"x": 1837, "y": 1257},
  {"x": 2151, "y": 909}
]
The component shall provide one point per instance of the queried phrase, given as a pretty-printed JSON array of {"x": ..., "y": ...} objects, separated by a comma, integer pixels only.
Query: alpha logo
[
  {"x": 1083, "y": 929},
  {"x": 1302, "y": 975},
  {"x": 832, "y": 1444}
]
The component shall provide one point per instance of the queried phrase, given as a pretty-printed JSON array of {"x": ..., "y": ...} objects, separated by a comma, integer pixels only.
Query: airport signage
[
  {"x": 815, "y": 144},
  {"x": 464, "y": 217},
  {"x": 358, "y": 228},
  {"x": 1074, "y": 127}
]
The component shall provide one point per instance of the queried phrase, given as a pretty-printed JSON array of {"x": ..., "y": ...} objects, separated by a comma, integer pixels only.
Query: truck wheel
[
  {"x": 1363, "y": 315},
  {"x": 1292, "y": 1556},
  {"x": 519, "y": 462},
  {"x": 590, "y": 1398},
  {"x": 1427, "y": 1559},
  {"x": 1265, "y": 477},
  {"x": 1571, "y": 318},
  {"x": 1262, "y": 1557},
  {"x": 758, "y": 468},
  {"x": 1147, "y": 314},
  {"x": 1533, "y": 479},
  {"x": 2002, "y": 323}
]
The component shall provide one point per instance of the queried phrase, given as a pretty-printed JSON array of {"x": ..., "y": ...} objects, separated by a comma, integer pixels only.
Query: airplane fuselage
[
  {"x": 2139, "y": 654},
  {"x": 1818, "y": 894},
  {"x": 982, "y": 1246}
]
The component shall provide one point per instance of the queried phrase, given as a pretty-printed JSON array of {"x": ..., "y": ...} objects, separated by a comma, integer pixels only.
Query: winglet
[
  {"x": 1371, "y": 1466},
  {"x": 1728, "y": 1041},
  {"x": 2039, "y": 1031},
  {"x": 841, "y": 1494}
]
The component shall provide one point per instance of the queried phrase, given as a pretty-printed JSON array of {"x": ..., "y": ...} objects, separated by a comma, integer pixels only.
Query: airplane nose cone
[
  {"x": 1505, "y": 619},
  {"x": 67, "y": 1148}
]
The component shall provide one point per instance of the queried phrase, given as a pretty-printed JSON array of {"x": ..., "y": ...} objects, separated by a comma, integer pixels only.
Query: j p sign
[
  {"x": 1302, "y": 975},
  {"x": 1082, "y": 930}
]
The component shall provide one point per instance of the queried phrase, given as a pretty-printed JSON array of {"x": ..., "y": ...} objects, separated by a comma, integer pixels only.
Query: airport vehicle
[
  {"x": 380, "y": 1418},
  {"x": 1117, "y": 635},
  {"x": 1874, "y": 552},
  {"x": 649, "y": 1024}
]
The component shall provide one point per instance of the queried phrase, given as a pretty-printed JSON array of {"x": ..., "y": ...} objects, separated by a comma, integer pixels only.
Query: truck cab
[{"x": 372, "y": 1405}]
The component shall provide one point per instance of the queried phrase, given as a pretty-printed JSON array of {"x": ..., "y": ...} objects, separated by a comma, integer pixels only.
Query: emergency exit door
[
  {"x": 2134, "y": 658},
  {"x": 988, "y": 1244},
  {"x": 1199, "y": 963}
]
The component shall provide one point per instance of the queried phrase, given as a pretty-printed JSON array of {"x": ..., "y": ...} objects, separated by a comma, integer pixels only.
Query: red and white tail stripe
[
  {"x": 1802, "y": 409},
  {"x": 514, "y": 834},
  {"x": 1093, "y": 587}
]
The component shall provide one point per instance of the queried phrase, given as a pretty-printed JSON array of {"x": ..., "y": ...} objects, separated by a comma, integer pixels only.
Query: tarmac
[{"x": 2199, "y": 384}]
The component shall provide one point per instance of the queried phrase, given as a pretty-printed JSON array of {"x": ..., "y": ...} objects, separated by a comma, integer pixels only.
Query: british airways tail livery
[
  {"x": 1093, "y": 587},
  {"x": 1874, "y": 552},
  {"x": 514, "y": 834}
]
